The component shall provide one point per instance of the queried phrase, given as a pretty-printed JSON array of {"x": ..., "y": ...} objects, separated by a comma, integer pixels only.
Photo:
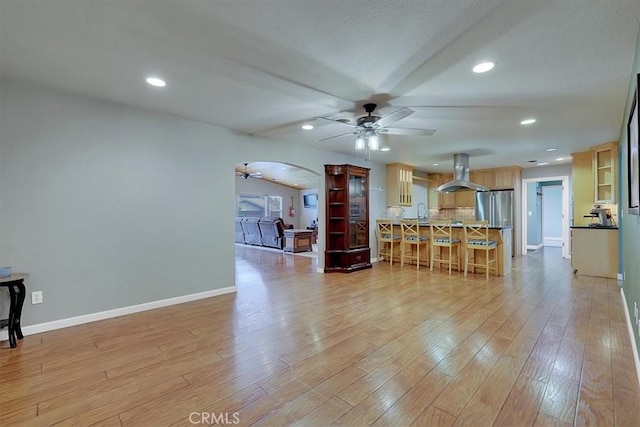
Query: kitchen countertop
[
  {"x": 609, "y": 227},
  {"x": 459, "y": 225}
]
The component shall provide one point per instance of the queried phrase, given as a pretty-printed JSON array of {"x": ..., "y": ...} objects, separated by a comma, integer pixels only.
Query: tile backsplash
[{"x": 458, "y": 214}]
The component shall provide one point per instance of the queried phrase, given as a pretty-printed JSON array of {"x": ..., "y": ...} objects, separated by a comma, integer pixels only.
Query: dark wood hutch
[{"x": 347, "y": 217}]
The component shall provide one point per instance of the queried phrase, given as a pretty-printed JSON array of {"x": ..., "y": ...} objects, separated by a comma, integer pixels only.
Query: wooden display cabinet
[{"x": 347, "y": 216}]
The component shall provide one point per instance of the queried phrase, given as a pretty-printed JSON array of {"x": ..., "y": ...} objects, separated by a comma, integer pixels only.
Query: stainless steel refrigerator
[{"x": 497, "y": 208}]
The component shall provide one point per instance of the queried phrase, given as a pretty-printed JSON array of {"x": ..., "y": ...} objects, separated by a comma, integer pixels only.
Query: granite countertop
[
  {"x": 599, "y": 227},
  {"x": 459, "y": 225}
]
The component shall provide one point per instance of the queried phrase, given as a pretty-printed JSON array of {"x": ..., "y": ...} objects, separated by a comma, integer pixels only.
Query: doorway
[
  {"x": 551, "y": 213},
  {"x": 545, "y": 214}
]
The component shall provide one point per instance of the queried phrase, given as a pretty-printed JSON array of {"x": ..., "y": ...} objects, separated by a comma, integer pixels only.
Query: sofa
[{"x": 265, "y": 231}]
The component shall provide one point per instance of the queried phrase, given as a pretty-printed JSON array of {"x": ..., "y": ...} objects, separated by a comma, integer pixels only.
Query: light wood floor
[{"x": 388, "y": 346}]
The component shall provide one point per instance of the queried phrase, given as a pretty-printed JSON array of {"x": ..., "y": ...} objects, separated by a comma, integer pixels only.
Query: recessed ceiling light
[
  {"x": 385, "y": 149},
  {"x": 155, "y": 81},
  {"x": 551, "y": 149},
  {"x": 483, "y": 67},
  {"x": 436, "y": 164},
  {"x": 559, "y": 158},
  {"x": 528, "y": 121},
  {"x": 542, "y": 164},
  {"x": 307, "y": 127}
]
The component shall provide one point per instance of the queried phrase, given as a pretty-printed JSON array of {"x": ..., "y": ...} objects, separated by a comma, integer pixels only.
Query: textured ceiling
[{"x": 266, "y": 67}]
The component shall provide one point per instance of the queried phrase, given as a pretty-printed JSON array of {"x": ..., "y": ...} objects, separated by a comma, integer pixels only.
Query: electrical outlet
[{"x": 36, "y": 297}]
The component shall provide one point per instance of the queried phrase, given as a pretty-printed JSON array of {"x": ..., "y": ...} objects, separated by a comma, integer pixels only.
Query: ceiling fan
[
  {"x": 373, "y": 125},
  {"x": 246, "y": 174}
]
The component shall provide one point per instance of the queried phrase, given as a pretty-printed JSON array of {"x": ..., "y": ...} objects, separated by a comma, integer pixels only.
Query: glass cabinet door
[{"x": 358, "y": 224}]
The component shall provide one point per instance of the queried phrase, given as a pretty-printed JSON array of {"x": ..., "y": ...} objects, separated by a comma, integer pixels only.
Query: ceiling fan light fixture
[
  {"x": 483, "y": 67},
  {"x": 373, "y": 141},
  {"x": 360, "y": 142}
]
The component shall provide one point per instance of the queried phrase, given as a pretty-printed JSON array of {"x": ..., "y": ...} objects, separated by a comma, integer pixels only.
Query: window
[{"x": 258, "y": 205}]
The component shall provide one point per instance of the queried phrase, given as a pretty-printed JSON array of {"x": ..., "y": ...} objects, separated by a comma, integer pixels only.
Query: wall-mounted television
[{"x": 310, "y": 200}]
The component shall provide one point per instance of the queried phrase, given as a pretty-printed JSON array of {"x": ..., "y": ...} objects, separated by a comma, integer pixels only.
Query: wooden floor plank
[{"x": 389, "y": 345}]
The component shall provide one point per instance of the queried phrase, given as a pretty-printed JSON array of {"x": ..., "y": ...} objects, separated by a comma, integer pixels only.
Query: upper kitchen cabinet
[
  {"x": 465, "y": 198},
  {"x": 604, "y": 172},
  {"x": 445, "y": 200},
  {"x": 486, "y": 178},
  {"x": 399, "y": 185},
  {"x": 505, "y": 178},
  {"x": 583, "y": 186},
  {"x": 497, "y": 179}
]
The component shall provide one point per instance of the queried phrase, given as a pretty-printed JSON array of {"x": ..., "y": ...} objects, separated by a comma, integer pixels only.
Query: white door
[{"x": 552, "y": 215}]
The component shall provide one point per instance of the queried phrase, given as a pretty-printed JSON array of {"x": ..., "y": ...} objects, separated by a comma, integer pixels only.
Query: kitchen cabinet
[
  {"x": 465, "y": 199},
  {"x": 446, "y": 200},
  {"x": 347, "y": 216},
  {"x": 493, "y": 179},
  {"x": 496, "y": 179},
  {"x": 458, "y": 199},
  {"x": 504, "y": 179},
  {"x": 604, "y": 172},
  {"x": 594, "y": 176},
  {"x": 583, "y": 186},
  {"x": 486, "y": 178},
  {"x": 399, "y": 185},
  {"x": 594, "y": 251}
]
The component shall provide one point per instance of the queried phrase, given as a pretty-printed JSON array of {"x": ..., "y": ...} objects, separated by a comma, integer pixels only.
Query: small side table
[
  {"x": 297, "y": 240},
  {"x": 15, "y": 284}
]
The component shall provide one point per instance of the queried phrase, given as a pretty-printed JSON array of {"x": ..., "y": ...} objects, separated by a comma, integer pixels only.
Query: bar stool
[
  {"x": 442, "y": 237},
  {"x": 411, "y": 236},
  {"x": 476, "y": 236},
  {"x": 386, "y": 238}
]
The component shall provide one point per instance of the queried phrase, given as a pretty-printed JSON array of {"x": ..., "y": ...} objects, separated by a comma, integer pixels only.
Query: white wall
[
  {"x": 108, "y": 206},
  {"x": 308, "y": 215},
  {"x": 549, "y": 171}
]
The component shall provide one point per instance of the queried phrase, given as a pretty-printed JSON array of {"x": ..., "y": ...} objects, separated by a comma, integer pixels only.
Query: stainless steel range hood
[{"x": 461, "y": 176}]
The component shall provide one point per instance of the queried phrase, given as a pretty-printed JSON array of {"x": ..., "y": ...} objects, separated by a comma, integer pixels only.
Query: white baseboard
[
  {"x": 631, "y": 334},
  {"x": 555, "y": 242},
  {"x": 535, "y": 247},
  {"x": 93, "y": 317}
]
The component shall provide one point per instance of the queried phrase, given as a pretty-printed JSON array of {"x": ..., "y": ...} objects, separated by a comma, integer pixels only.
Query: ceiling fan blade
[
  {"x": 337, "y": 136},
  {"x": 339, "y": 121},
  {"x": 395, "y": 116},
  {"x": 408, "y": 131}
]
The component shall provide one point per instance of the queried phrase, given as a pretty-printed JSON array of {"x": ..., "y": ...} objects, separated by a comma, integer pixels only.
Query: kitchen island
[
  {"x": 594, "y": 251},
  {"x": 502, "y": 235}
]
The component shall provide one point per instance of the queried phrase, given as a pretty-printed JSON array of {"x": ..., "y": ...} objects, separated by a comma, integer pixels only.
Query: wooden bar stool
[
  {"x": 442, "y": 237},
  {"x": 476, "y": 236},
  {"x": 386, "y": 238},
  {"x": 411, "y": 236}
]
